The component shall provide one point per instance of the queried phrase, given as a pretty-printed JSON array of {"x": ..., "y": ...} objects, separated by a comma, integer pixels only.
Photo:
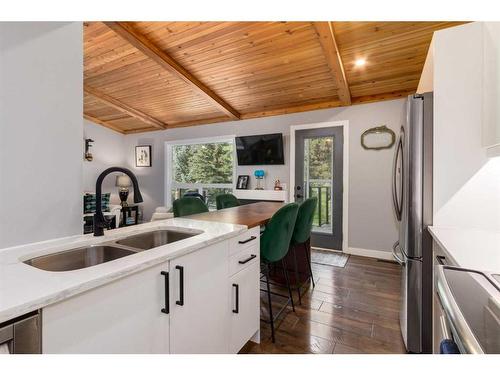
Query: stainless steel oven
[
  {"x": 467, "y": 310},
  {"x": 21, "y": 335}
]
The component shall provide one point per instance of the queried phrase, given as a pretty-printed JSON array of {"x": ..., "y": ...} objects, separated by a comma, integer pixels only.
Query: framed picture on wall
[
  {"x": 242, "y": 182},
  {"x": 143, "y": 156}
]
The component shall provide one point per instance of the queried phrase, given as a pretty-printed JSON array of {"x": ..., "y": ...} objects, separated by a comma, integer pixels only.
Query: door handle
[
  {"x": 247, "y": 240},
  {"x": 395, "y": 255},
  {"x": 298, "y": 195},
  {"x": 237, "y": 299},
  {"x": 395, "y": 201},
  {"x": 180, "y": 302},
  {"x": 253, "y": 256},
  {"x": 166, "y": 310}
]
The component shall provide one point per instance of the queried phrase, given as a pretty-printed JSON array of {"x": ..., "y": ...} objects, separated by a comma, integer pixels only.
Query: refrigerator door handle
[
  {"x": 395, "y": 253},
  {"x": 395, "y": 201}
]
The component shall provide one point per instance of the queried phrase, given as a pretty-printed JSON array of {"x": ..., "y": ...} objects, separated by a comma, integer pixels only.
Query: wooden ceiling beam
[
  {"x": 288, "y": 110},
  {"x": 292, "y": 109},
  {"x": 112, "y": 102},
  {"x": 139, "y": 41},
  {"x": 103, "y": 123},
  {"x": 183, "y": 124},
  {"x": 332, "y": 54},
  {"x": 398, "y": 94}
]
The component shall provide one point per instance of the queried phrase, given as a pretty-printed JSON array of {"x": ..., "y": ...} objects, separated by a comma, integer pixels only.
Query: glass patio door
[{"x": 318, "y": 173}]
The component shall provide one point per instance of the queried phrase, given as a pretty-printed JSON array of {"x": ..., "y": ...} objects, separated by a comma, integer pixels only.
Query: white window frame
[{"x": 169, "y": 184}]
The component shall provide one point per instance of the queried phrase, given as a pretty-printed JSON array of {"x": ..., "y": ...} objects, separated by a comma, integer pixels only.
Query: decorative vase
[
  {"x": 259, "y": 175},
  {"x": 123, "y": 194}
]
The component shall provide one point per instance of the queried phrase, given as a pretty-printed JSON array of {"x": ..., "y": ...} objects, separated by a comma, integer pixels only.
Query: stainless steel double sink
[{"x": 88, "y": 256}]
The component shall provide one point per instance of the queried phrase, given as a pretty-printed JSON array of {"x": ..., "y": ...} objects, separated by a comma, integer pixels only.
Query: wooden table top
[{"x": 251, "y": 215}]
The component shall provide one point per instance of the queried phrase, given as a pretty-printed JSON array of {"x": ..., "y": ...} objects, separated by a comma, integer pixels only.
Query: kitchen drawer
[
  {"x": 243, "y": 259},
  {"x": 249, "y": 238}
]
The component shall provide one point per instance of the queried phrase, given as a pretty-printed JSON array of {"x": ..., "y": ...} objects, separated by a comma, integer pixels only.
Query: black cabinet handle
[
  {"x": 253, "y": 256},
  {"x": 237, "y": 298},
  {"x": 247, "y": 240},
  {"x": 166, "y": 310},
  {"x": 180, "y": 302},
  {"x": 441, "y": 260}
]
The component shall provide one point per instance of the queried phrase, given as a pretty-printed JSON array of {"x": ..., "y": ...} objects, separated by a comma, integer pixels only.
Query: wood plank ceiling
[{"x": 144, "y": 76}]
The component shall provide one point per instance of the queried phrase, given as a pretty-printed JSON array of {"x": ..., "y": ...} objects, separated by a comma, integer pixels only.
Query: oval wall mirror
[{"x": 378, "y": 138}]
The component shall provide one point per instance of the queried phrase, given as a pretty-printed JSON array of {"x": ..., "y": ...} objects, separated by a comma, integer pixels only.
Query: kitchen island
[{"x": 189, "y": 296}]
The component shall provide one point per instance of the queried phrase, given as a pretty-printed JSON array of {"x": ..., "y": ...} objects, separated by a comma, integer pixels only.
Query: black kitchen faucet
[{"x": 100, "y": 222}]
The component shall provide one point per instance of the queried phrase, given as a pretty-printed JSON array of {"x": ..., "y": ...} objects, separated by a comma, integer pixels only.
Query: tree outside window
[{"x": 206, "y": 168}]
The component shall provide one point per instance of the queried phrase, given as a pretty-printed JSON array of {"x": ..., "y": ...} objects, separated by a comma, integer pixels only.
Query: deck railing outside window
[{"x": 322, "y": 189}]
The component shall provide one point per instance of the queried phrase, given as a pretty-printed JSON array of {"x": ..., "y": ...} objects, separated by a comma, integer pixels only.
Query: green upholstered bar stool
[
  {"x": 226, "y": 201},
  {"x": 188, "y": 206},
  {"x": 274, "y": 245},
  {"x": 301, "y": 237}
]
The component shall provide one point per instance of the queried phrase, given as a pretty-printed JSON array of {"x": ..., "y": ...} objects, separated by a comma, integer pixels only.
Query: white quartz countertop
[
  {"x": 24, "y": 288},
  {"x": 470, "y": 248}
]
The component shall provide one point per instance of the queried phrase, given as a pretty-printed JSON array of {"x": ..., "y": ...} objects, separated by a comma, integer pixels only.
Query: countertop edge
[
  {"x": 471, "y": 248},
  {"x": 434, "y": 231},
  {"x": 71, "y": 291}
]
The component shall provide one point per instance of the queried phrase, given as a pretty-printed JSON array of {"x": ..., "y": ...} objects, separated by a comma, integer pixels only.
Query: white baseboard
[
  {"x": 387, "y": 255},
  {"x": 325, "y": 249}
]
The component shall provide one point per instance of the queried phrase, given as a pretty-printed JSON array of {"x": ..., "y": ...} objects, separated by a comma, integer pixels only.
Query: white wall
[
  {"x": 466, "y": 182},
  {"x": 108, "y": 150},
  {"x": 477, "y": 204},
  {"x": 371, "y": 221},
  {"x": 458, "y": 150},
  {"x": 41, "y": 87}
]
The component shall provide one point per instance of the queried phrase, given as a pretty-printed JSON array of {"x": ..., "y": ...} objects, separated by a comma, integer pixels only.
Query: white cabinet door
[
  {"x": 491, "y": 83},
  {"x": 124, "y": 316},
  {"x": 199, "y": 301},
  {"x": 245, "y": 306}
]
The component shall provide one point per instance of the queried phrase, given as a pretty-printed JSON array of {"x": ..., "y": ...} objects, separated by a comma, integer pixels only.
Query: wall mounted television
[{"x": 264, "y": 149}]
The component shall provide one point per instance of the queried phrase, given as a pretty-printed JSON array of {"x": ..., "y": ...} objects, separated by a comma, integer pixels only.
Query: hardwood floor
[{"x": 351, "y": 310}]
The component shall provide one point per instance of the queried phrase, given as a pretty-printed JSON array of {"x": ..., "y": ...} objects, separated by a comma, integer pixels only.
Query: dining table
[{"x": 251, "y": 215}]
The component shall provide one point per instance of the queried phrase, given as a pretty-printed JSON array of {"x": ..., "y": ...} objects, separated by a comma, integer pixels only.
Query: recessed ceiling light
[{"x": 360, "y": 62}]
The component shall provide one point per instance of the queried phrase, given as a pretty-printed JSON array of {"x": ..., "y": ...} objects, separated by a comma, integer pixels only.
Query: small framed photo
[
  {"x": 143, "y": 156},
  {"x": 242, "y": 182}
]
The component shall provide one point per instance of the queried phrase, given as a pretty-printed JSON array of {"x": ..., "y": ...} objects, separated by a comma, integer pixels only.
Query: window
[{"x": 204, "y": 166}]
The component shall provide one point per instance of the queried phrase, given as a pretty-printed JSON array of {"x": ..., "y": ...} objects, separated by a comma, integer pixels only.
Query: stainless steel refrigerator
[{"x": 412, "y": 198}]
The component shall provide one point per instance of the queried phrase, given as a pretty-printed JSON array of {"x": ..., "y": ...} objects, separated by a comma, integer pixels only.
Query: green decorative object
[
  {"x": 226, "y": 201},
  {"x": 275, "y": 240},
  {"x": 188, "y": 206},
  {"x": 89, "y": 204},
  {"x": 303, "y": 224}
]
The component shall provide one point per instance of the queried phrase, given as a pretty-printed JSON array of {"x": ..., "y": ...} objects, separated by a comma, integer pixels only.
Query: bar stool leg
[
  {"x": 285, "y": 271},
  {"x": 269, "y": 302},
  {"x": 297, "y": 281},
  {"x": 306, "y": 249}
]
